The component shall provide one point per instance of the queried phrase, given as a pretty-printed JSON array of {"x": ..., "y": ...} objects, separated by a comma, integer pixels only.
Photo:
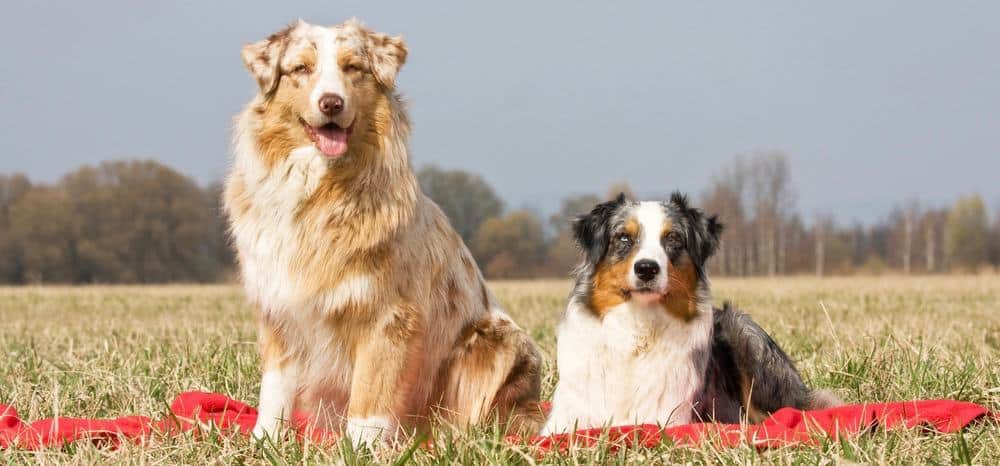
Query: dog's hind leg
[
  {"x": 516, "y": 401},
  {"x": 765, "y": 376},
  {"x": 494, "y": 374}
]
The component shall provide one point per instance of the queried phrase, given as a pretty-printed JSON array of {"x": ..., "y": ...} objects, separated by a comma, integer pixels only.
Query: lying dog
[
  {"x": 372, "y": 312},
  {"x": 640, "y": 341}
]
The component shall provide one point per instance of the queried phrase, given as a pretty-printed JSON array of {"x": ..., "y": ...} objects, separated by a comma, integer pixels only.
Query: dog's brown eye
[
  {"x": 351, "y": 67},
  {"x": 624, "y": 239},
  {"x": 301, "y": 69}
]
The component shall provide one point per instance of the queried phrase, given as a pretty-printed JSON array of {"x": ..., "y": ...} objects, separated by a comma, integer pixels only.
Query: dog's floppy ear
[
  {"x": 386, "y": 55},
  {"x": 703, "y": 233},
  {"x": 591, "y": 230},
  {"x": 711, "y": 233},
  {"x": 262, "y": 58}
]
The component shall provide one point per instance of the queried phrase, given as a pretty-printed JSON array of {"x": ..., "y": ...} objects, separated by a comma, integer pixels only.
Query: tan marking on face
[
  {"x": 363, "y": 71},
  {"x": 668, "y": 226},
  {"x": 363, "y": 159},
  {"x": 279, "y": 131},
  {"x": 631, "y": 228},
  {"x": 681, "y": 299},
  {"x": 293, "y": 100},
  {"x": 353, "y": 62},
  {"x": 303, "y": 56},
  {"x": 611, "y": 283}
]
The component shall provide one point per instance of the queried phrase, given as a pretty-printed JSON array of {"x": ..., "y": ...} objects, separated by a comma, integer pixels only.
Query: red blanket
[{"x": 787, "y": 426}]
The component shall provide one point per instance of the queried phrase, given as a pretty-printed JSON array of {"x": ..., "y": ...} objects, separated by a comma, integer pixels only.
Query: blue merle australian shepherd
[{"x": 640, "y": 341}]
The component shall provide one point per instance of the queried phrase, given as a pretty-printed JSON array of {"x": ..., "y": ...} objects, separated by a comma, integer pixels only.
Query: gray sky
[{"x": 874, "y": 101}]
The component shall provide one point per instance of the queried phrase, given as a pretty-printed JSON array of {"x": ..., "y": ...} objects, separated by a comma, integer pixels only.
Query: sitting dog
[
  {"x": 640, "y": 341},
  {"x": 372, "y": 313}
]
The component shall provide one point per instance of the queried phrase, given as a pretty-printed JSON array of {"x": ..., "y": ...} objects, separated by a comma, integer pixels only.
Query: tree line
[
  {"x": 766, "y": 235},
  {"x": 143, "y": 222},
  {"x": 118, "y": 222}
]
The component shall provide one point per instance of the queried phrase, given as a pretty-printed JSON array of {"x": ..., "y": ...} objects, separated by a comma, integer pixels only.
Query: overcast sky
[{"x": 873, "y": 101}]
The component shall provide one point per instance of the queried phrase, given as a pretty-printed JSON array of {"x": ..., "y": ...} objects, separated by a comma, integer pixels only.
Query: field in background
[{"x": 111, "y": 351}]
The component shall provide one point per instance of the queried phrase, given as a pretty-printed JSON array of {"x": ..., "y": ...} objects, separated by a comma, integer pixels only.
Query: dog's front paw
[
  {"x": 264, "y": 430},
  {"x": 369, "y": 431}
]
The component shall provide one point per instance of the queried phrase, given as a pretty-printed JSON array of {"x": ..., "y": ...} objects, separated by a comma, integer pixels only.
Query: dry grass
[{"x": 110, "y": 351}]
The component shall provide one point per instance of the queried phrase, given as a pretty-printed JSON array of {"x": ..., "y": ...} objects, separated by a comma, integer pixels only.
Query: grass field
[{"x": 111, "y": 351}]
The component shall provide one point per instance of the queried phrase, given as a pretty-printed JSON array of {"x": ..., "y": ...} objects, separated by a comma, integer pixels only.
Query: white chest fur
[
  {"x": 267, "y": 236},
  {"x": 636, "y": 365},
  {"x": 269, "y": 240}
]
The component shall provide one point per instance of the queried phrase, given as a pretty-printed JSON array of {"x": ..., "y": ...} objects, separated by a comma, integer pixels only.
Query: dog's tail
[
  {"x": 822, "y": 399},
  {"x": 765, "y": 376}
]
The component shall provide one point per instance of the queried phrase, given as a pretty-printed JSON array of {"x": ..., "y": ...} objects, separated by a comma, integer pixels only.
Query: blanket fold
[{"x": 192, "y": 410}]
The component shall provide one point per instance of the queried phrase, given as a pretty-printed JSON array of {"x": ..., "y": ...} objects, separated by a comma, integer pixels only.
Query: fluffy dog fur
[
  {"x": 640, "y": 341},
  {"x": 372, "y": 312}
]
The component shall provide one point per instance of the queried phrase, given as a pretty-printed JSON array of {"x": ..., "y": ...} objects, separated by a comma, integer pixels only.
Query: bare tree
[
  {"x": 798, "y": 246},
  {"x": 723, "y": 200},
  {"x": 932, "y": 225},
  {"x": 910, "y": 214},
  {"x": 824, "y": 226},
  {"x": 967, "y": 234},
  {"x": 929, "y": 251},
  {"x": 726, "y": 197},
  {"x": 770, "y": 189}
]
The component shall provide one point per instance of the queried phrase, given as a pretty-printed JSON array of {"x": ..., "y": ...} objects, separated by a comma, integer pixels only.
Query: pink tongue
[{"x": 331, "y": 141}]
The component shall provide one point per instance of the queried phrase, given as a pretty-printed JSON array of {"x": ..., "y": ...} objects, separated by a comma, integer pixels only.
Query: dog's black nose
[
  {"x": 331, "y": 104},
  {"x": 646, "y": 269}
]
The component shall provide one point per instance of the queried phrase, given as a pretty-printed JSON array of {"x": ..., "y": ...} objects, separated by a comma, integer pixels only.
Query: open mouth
[{"x": 330, "y": 138}]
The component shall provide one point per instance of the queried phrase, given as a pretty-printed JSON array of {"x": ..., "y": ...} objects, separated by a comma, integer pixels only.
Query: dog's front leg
[
  {"x": 382, "y": 380},
  {"x": 278, "y": 383}
]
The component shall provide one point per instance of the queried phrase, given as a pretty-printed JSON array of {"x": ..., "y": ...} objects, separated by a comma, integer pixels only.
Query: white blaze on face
[
  {"x": 329, "y": 78},
  {"x": 652, "y": 219},
  {"x": 330, "y": 131}
]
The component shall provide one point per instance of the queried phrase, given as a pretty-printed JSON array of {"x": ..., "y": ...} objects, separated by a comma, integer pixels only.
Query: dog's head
[
  {"x": 322, "y": 86},
  {"x": 648, "y": 252}
]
